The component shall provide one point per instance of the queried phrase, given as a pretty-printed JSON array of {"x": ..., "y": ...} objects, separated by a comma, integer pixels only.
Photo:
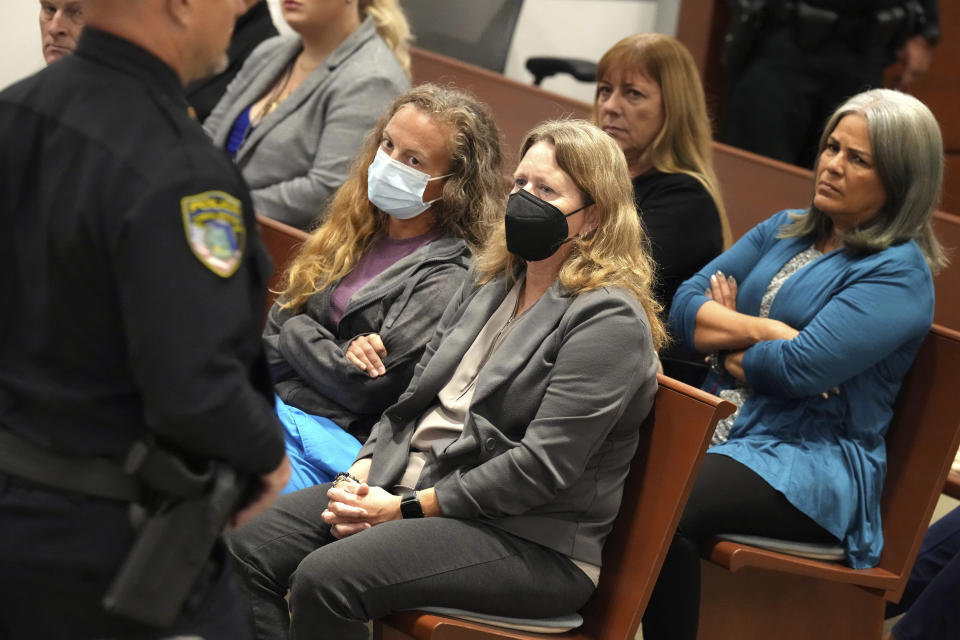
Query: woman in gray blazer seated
[
  {"x": 368, "y": 287},
  {"x": 493, "y": 482},
  {"x": 296, "y": 113}
]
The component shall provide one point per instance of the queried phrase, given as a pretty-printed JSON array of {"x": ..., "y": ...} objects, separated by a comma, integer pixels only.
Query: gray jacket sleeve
[
  {"x": 320, "y": 359},
  {"x": 352, "y": 111},
  {"x": 605, "y": 354},
  {"x": 280, "y": 369}
]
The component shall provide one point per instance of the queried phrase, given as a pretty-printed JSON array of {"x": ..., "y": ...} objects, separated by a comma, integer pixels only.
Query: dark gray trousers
[{"x": 336, "y": 585}]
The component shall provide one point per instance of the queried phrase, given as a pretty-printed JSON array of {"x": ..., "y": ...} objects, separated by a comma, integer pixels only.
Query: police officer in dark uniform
[
  {"x": 790, "y": 63},
  {"x": 131, "y": 300}
]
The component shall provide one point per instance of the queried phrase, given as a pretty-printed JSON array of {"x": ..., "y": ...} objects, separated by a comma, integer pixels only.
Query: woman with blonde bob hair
[
  {"x": 612, "y": 253},
  {"x": 368, "y": 286},
  {"x": 650, "y": 100},
  {"x": 813, "y": 319},
  {"x": 494, "y": 480}
]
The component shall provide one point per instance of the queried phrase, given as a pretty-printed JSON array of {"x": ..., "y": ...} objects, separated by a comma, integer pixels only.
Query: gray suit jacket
[
  {"x": 554, "y": 420},
  {"x": 301, "y": 153}
]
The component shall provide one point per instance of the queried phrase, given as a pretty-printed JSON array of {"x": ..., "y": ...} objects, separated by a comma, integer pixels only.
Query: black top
[
  {"x": 683, "y": 225},
  {"x": 252, "y": 28},
  {"x": 131, "y": 273}
]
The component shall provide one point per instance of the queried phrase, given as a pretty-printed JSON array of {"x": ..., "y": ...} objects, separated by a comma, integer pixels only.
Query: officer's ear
[{"x": 179, "y": 10}]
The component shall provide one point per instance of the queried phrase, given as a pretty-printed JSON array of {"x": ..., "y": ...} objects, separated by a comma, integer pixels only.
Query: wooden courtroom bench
[
  {"x": 755, "y": 187},
  {"x": 673, "y": 440},
  {"x": 947, "y": 282},
  {"x": 750, "y": 592}
]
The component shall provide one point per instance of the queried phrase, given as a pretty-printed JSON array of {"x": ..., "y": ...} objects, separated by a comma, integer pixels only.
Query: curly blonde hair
[
  {"x": 684, "y": 142},
  {"x": 613, "y": 254},
  {"x": 472, "y": 196},
  {"x": 391, "y": 25}
]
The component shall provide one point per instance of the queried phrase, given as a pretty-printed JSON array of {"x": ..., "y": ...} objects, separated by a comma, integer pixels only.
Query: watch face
[{"x": 410, "y": 506}]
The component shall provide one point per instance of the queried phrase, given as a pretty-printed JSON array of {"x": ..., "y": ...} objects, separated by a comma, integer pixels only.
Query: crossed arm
[{"x": 720, "y": 327}]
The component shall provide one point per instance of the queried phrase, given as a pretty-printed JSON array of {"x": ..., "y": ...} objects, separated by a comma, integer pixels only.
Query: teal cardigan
[{"x": 861, "y": 317}]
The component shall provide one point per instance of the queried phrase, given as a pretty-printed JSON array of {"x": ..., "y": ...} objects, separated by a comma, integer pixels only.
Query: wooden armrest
[{"x": 735, "y": 557}]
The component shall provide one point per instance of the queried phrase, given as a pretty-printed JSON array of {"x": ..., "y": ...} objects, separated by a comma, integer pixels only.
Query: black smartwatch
[{"x": 410, "y": 505}]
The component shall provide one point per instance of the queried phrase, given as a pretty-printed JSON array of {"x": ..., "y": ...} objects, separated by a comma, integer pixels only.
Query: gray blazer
[
  {"x": 554, "y": 420},
  {"x": 300, "y": 154},
  {"x": 307, "y": 352}
]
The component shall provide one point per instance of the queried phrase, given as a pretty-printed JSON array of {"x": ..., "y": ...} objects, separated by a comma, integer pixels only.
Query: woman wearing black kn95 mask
[{"x": 494, "y": 480}]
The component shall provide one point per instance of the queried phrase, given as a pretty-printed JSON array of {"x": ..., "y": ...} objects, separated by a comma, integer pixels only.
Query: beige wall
[{"x": 20, "y": 53}]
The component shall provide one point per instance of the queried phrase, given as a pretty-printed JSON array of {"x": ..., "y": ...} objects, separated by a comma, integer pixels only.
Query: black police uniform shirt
[{"x": 131, "y": 275}]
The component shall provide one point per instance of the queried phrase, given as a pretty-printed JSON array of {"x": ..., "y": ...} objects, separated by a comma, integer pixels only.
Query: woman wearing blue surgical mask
[{"x": 368, "y": 286}]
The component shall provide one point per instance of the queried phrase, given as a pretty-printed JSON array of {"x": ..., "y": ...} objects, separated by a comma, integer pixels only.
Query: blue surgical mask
[{"x": 397, "y": 189}]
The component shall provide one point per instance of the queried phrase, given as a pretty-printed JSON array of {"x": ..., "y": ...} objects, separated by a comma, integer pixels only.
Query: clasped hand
[
  {"x": 723, "y": 290},
  {"x": 354, "y": 507},
  {"x": 367, "y": 353}
]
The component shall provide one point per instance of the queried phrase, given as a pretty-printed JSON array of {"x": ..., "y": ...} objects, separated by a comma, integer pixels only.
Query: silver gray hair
[{"x": 908, "y": 156}]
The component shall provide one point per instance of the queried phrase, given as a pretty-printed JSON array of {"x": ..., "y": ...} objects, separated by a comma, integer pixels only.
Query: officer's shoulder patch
[{"x": 213, "y": 222}]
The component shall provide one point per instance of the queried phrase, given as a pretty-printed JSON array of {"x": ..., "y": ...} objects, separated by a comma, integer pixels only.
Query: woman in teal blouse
[{"x": 812, "y": 320}]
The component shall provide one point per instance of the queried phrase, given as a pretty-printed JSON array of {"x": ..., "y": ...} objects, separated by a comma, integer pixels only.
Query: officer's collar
[{"x": 114, "y": 51}]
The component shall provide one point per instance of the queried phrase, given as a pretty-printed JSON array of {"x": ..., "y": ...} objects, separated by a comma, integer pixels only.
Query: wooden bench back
[
  {"x": 517, "y": 107},
  {"x": 755, "y": 187},
  {"x": 947, "y": 282},
  {"x": 283, "y": 242},
  {"x": 673, "y": 440},
  {"x": 923, "y": 437}
]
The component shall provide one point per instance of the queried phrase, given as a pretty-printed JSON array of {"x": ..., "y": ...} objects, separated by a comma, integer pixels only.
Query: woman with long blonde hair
[
  {"x": 370, "y": 283},
  {"x": 650, "y": 100},
  {"x": 295, "y": 115},
  {"x": 500, "y": 469}
]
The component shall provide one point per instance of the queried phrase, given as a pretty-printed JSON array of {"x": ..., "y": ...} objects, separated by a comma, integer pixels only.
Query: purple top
[{"x": 382, "y": 253}]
